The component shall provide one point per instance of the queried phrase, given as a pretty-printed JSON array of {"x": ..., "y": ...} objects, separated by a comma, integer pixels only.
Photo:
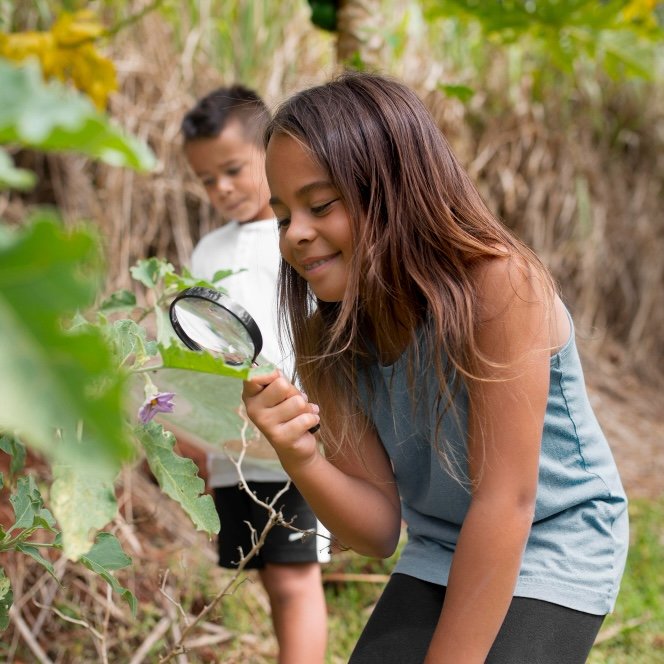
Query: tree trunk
[{"x": 360, "y": 41}]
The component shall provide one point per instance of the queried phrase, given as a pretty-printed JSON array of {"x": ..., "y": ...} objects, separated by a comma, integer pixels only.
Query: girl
[{"x": 450, "y": 391}]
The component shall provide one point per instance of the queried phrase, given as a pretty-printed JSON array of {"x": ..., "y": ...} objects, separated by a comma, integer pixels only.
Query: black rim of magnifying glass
[{"x": 214, "y": 296}]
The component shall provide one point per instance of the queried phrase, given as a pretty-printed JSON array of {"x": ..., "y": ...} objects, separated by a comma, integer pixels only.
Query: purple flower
[{"x": 162, "y": 402}]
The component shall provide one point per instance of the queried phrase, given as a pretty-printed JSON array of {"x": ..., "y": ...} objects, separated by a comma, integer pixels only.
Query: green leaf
[
  {"x": 219, "y": 275},
  {"x": 15, "y": 448},
  {"x": 6, "y": 599},
  {"x": 165, "y": 333},
  {"x": 60, "y": 390},
  {"x": 129, "y": 340},
  {"x": 107, "y": 555},
  {"x": 177, "y": 476},
  {"x": 461, "y": 92},
  {"x": 151, "y": 271},
  {"x": 28, "y": 506},
  {"x": 178, "y": 357},
  {"x": 83, "y": 503},
  {"x": 51, "y": 117},
  {"x": 12, "y": 177},
  {"x": 120, "y": 300},
  {"x": 34, "y": 553},
  {"x": 177, "y": 282}
]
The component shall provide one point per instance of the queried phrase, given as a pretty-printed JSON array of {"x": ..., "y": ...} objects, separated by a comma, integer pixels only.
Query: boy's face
[{"x": 232, "y": 170}]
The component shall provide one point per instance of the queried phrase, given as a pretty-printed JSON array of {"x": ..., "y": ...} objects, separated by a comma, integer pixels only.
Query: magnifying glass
[{"x": 206, "y": 319}]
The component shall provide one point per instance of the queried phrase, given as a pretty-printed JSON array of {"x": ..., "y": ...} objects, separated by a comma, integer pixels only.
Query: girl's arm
[
  {"x": 505, "y": 429},
  {"x": 354, "y": 496}
]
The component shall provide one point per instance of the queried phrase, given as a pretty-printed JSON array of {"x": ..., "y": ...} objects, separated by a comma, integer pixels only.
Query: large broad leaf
[
  {"x": 207, "y": 406},
  {"x": 177, "y": 476},
  {"x": 60, "y": 391},
  {"x": 176, "y": 356},
  {"x": 83, "y": 503},
  {"x": 50, "y": 117}
]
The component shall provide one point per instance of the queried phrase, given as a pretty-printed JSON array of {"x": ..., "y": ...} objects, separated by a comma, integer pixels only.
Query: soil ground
[{"x": 631, "y": 414}]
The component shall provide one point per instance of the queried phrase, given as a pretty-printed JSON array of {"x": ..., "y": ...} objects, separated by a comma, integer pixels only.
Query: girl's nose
[{"x": 300, "y": 229}]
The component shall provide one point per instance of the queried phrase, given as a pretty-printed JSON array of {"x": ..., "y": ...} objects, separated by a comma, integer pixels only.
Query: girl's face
[{"x": 314, "y": 229}]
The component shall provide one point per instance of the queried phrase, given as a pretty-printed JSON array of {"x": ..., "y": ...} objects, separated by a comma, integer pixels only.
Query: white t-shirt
[{"x": 252, "y": 247}]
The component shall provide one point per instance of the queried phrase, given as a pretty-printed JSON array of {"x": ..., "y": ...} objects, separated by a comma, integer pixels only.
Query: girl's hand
[{"x": 284, "y": 416}]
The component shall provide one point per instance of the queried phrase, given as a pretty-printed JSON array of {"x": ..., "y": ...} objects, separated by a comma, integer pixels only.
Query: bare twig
[
  {"x": 157, "y": 632},
  {"x": 275, "y": 517},
  {"x": 28, "y": 637}
]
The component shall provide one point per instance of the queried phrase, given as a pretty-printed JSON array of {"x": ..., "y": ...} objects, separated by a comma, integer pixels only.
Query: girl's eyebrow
[{"x": 307, "y": 189}]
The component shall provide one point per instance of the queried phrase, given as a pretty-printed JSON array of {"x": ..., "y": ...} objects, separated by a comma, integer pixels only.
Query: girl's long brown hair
[{"x": 419, "y": 226}]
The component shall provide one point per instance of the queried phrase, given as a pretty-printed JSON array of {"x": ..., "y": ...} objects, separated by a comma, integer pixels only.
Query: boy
[{"x": 223, "y": 145}]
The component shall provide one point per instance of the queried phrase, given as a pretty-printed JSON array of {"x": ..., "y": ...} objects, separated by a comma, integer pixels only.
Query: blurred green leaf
[
  {"x": 50, "y": 117},
  {"x": 561, "y": 31},
  {"x": 461, "y": 92},
  {"x": 61, "y": 391},
  {"x": 83, "y": 503},
  {"x": 151, "y": 271},
  {"x": 12, "y": 177},
  {"x": 120, "y": 300}
]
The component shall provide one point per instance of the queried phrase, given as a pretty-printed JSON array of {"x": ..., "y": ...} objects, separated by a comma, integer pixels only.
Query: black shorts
[
  {"x": 402, "y": 623},
  {"x": 282, "y": 545}
]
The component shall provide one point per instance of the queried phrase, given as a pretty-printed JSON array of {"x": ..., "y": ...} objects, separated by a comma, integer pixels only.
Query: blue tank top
[{"x": 576, "y": 550}]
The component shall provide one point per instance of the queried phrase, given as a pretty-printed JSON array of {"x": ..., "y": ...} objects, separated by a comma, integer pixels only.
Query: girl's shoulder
[{"x": 509, "y": 280}]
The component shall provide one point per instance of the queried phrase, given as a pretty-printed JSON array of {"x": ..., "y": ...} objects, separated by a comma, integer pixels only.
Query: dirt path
[{"x": 632, "y": 416}]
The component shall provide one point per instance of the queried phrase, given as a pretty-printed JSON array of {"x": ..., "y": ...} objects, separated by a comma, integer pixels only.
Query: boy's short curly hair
[{"x": 212, "y": 113}]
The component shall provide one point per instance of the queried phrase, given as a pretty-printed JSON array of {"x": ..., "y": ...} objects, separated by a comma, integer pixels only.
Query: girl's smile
[{"x": 314, "y": 229}]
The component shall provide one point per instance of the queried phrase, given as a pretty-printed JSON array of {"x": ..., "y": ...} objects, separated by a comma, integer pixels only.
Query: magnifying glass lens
[
  {"x": 216, "y": 330},
  {"x": 206, "y": 319}
]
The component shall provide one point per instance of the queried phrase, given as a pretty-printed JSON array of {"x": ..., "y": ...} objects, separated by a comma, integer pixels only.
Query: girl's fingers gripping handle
[{"x": 259, "y": 383}]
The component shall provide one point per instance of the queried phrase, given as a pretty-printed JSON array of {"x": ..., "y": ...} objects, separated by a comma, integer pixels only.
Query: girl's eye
[
  {"x": 209, "y": 182},
  {"x": 282, "y": 223},
  {"x": 322, "y": 209},
  {"x": 234, "y": 171}
]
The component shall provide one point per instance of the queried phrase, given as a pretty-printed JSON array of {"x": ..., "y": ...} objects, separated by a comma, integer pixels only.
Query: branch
[
  {"x": 29, "y": 639},
  {"x": 275, "y": 518}
]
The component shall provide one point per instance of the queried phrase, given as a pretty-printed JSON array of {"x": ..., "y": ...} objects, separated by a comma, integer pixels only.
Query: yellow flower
[
  {"x": 67, "y": 52},
  {"x": 74, "y": 29},
  {"x": 641, "y": 11}
]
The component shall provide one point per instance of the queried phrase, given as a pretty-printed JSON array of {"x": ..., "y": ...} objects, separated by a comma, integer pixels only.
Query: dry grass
[{"x": 581, "y": 179}]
